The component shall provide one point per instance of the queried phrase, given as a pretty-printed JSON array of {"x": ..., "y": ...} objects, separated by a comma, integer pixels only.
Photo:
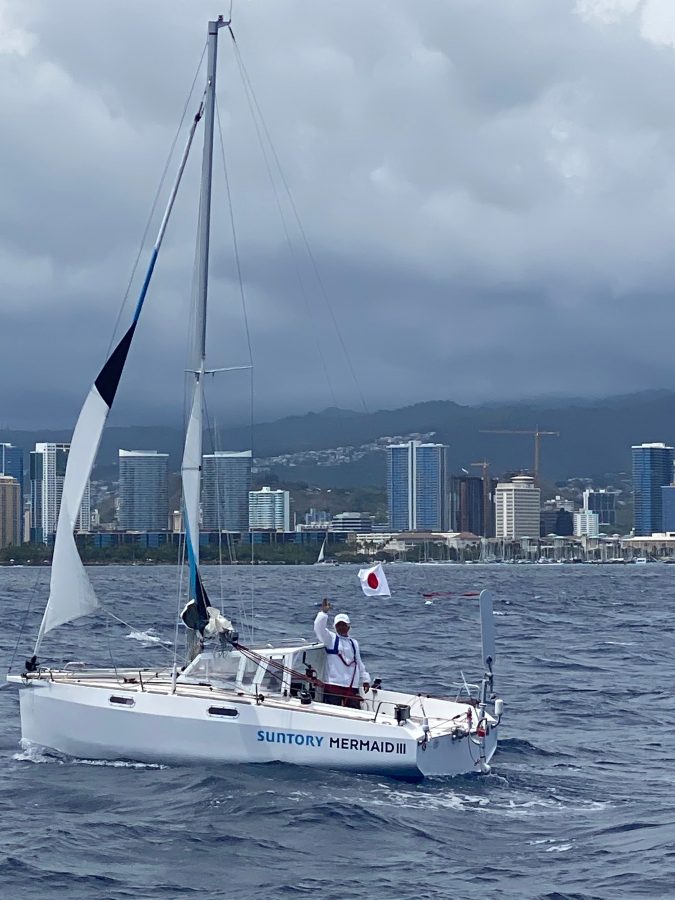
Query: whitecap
[
  {"x": 34, "y": 754},
  {"x": 116, "y": 763},
  {"x": 426, "y": 801},
  {"x": 147, "y": 637}
]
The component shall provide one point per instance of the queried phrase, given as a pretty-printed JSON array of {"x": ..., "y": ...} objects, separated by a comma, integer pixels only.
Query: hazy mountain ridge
[{"x": 595, "y": 435}]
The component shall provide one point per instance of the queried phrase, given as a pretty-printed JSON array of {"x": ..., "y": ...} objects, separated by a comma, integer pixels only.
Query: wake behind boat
[{"x": 231, "y": 703}]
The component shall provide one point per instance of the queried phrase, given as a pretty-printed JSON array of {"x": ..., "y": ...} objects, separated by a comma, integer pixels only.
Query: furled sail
[
  {"x": 195, "y": 614},
  {"x": 70, "y": 592}
]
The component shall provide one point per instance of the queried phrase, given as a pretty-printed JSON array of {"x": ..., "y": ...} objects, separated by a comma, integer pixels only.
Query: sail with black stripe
[{"x": 71, "y": 594}]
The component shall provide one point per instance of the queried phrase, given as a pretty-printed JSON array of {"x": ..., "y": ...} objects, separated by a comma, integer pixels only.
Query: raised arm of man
[{"x": 321, "y": 629}]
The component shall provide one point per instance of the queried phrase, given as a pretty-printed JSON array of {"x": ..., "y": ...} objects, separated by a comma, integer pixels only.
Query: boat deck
[{"x": 440, "y": 715}]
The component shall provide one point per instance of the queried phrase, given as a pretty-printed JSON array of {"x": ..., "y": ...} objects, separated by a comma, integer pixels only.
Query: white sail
[
  {"x": 191, "y": 468},
  {"x": 71, "y": 594},
  {"x": 192, "y": 453},
  {"x": 322, "y": 552}
]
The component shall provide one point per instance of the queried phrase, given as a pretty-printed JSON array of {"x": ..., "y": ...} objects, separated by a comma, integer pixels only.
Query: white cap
[{"x": 341, "y": 617}]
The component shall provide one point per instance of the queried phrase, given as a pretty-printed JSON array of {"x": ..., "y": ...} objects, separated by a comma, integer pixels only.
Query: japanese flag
[{"x": 374, "y": 582}]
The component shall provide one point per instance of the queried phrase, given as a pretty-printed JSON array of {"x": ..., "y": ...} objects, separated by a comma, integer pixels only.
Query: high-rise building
[
  {"x": 10, "y": 512},
  {"x": 226, "y": 482},
  {"x": 517, "y": 506},
  {"x": 11, "y": 463},
  {"x": 603, "y": 503},
  {"x": 47, "y": 471},
  {"x": 417, "y": 489},
  {"x": 269, "y": 510},
  {"x": 143, "y": 490},
  {"x": 668, "y": 508},
  {"x": 467, "y": 506},
  {"x": 586, "y": 523},
  {"x": 555, "y": 519},
  {"x": 652, "y": 469}
]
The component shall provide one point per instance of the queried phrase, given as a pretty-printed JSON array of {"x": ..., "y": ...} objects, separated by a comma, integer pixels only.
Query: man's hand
[
  {"x": 325, "y": 605},
  {"x": 366, "y": 687}
]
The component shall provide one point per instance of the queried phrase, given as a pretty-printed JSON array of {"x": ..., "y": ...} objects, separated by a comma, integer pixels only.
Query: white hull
[{"x": 151, "y": 724}]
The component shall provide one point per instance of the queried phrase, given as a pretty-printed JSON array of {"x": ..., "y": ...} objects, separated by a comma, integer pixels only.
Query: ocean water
[{"x": 580, "y": 803}]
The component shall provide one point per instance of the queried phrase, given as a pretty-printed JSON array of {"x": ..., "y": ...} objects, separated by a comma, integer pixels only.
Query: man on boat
[{"x": 344, "y": 667}]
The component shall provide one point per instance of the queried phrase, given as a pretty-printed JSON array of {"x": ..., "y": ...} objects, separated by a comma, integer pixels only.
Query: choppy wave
[
  {"x": 39, "y": 755},
  {"x": 577, "y": 806}
]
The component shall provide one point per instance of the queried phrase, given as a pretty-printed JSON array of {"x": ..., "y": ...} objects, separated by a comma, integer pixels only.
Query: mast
[
  {"x": 205, "y": 198},
  {"x": 192, "y": 456}
]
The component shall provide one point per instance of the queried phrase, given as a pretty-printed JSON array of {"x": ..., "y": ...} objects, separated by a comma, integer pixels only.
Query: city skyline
[{"x": 422, "y": 496}]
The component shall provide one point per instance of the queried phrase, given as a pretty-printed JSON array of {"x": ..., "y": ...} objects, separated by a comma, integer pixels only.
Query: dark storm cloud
[{"x": 488, "y": 189}]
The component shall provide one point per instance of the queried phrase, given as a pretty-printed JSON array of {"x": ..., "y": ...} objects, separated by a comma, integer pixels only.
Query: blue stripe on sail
[
  {"x": 109, "y": 376},
  {"x": 198, "y": 593},
  {"x": 146, "y": 283}
]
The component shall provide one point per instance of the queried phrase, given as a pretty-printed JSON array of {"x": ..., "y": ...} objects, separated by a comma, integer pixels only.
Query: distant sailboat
[{"x": 321, "y": 558}]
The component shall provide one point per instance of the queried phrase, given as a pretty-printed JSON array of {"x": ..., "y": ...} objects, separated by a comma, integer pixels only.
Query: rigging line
[
  {"x": 155, "y": 201},
  {"x": 24, "y": 620},
  {"x": 305, "y": 239},
  {"x": 135, "y": 628},
  {"x": 216, "y": 446},
  {"x": 215, "y": 443},
  {"x": 242, "y": 292},
  {"x": 298, "y": 273},
  {"x": 181, "y": 576},
  {"x": 212, "y": 432},
  {"x": 112, "y": 660}
]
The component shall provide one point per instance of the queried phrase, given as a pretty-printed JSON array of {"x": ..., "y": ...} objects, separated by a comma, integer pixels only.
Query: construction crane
[
  {"x": 537, "y": 434},
  {"x": 485, "y": 466}
]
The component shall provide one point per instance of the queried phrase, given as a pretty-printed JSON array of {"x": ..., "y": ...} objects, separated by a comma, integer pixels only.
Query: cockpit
[{"x": 286, "y": 671}]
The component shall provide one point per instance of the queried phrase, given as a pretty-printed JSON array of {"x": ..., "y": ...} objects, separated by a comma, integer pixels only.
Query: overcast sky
[{"x": 487, "y": 188}]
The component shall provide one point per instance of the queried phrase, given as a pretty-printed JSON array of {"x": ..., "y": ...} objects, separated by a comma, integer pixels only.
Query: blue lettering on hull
[
  {"x": 367, "y": 745},
  {"x": 334, "y": 743},
  {"x": 289, "y": 737}
]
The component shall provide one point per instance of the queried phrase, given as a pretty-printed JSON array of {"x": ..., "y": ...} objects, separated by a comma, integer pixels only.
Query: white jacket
[{"x": 344, "y": 665}]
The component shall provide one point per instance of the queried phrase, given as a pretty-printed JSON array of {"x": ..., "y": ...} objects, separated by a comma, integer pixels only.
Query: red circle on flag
[{"x": 372, "y": 581}]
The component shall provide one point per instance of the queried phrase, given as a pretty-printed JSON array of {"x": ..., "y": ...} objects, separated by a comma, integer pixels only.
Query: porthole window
[
  {"x": 223, "y": 712},
  {"x": 122, "y": 701}
]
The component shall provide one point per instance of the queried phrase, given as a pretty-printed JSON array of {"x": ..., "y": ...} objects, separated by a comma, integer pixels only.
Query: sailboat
[
  {"x": 321, "y": 558},
  {"x": 230, "y": 703}
]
